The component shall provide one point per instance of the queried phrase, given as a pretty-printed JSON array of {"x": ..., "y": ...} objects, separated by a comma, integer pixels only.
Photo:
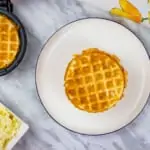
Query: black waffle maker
[{"x": 6, "y": 8}]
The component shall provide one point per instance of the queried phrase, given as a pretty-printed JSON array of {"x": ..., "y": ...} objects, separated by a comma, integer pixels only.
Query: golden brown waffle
[
  {"x": 9, "y": 41},
  {"x": 94, "y": 81}
]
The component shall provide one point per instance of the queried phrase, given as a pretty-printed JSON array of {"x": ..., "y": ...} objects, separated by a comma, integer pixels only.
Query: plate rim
[{"x": 59, "y": 29}]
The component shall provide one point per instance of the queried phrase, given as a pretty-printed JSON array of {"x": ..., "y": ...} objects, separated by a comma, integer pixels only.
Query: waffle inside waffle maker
[{"x": 12, "y": 38}]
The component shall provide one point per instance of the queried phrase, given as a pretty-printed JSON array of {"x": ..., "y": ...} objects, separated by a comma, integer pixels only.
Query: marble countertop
[{"x": 17, "y": 90}]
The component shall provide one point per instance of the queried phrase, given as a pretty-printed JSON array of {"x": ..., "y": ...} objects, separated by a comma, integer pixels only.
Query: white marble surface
[{"x": 17, "y": 90}]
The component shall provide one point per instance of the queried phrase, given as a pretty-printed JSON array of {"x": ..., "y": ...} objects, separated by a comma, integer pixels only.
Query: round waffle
[
  {"x": 94, "y": 81},
  {"x": 9, "y": 41}
]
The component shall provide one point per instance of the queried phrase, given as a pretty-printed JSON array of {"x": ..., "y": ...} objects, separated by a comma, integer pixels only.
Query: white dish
[
  {"x": 22, "y": 130},
  {"x": 72, "y": 39}
]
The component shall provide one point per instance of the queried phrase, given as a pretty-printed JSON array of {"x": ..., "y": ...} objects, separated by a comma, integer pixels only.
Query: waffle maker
[{"x": 6, "y": 9}]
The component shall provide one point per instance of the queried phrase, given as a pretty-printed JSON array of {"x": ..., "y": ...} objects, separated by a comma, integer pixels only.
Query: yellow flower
[{"x": 127, "y": 10}]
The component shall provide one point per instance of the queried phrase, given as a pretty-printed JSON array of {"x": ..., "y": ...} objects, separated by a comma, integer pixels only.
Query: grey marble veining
[{"x": 17, "y": 90}]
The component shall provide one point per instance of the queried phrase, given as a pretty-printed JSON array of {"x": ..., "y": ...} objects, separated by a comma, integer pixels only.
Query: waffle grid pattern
[
  {"x": 94, "y": 81},
  {"x": 9, "y": 41}
]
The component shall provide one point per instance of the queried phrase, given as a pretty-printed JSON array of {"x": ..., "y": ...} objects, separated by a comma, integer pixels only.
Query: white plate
[{"x": 72, "y": 39}]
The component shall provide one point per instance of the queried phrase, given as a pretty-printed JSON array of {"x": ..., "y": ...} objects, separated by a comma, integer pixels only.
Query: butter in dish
[{"x": 12, "y": 128}]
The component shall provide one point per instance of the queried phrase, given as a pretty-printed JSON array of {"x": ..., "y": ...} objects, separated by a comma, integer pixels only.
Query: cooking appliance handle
[{"x": 6, "y": 5}]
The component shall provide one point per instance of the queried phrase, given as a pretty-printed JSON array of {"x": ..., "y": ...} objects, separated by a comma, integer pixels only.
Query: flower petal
[
  {"x": 120, "y": 13},
  {"x": 129, "y": 8}
]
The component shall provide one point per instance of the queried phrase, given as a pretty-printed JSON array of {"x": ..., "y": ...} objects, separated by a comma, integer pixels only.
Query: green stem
[{"x": 143, "y": 19}]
